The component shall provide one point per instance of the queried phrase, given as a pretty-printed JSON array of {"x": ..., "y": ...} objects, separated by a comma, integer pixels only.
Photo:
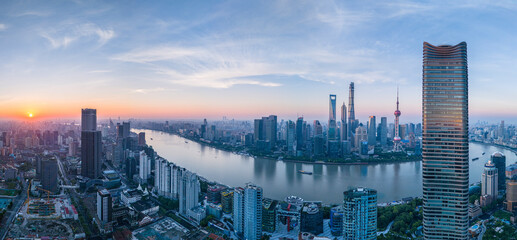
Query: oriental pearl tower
[{"x": 397, "y": 146}]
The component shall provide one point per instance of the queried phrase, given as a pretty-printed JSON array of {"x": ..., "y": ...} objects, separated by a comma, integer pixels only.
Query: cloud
[
  {"x": 62, "y": 38},
  {"x": 147, "y": 90},
  {"x": 3, "y": 27},
  {"x": 33, "y": 13}
]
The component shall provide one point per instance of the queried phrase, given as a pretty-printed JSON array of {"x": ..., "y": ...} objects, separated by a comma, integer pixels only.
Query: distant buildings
[
  {"x": 360, "y": 214},
  {"x": 265, "y": 133},
  {"x": 445, "y": 148},
  {"x": 91, "y": 145},
  {"x": 332, "y": 125},
  {"x": 372, "y": 130}
]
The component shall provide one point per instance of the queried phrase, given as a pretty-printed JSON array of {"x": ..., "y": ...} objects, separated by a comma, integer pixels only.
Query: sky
[{"x": 246, "y": 59}]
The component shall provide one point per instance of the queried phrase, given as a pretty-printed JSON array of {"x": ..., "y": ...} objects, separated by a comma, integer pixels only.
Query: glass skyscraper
[{"x": 445, "y": 147}]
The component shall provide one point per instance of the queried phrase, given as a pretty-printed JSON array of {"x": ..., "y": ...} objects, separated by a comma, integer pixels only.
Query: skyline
[{"x": 244, "y": 60}]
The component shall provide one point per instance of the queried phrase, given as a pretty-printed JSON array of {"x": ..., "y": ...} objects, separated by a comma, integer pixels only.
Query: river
[{"x": 279, "y": 179}]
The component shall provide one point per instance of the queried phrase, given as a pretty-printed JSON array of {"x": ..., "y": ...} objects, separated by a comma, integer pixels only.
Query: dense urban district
[{"x": 64, "y": 180}]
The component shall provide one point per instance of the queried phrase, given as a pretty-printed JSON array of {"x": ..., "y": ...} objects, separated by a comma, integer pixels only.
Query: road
[{"x": 17, "y": 204}]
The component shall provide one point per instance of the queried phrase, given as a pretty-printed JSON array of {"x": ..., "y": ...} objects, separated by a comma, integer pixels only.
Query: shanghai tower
[
  {"x": 351, "y": 112},
  {"x": 445, "y": 147}
]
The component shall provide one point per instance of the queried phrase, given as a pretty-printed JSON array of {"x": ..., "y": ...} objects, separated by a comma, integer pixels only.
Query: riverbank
[
  {"x": 514, "y": 150},
  {"x": 241, "y": 150}
]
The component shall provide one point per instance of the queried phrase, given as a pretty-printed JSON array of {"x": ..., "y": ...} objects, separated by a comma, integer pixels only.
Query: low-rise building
[
  {"x": 196, "y": 214},
  {"x": 146, "y": 207}
]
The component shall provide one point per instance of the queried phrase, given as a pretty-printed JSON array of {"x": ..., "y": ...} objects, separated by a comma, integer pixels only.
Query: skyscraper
[
  {"x": 383, "y": 131},
  {"x": 189, "y": 189},
  {"x": 88, "y": 119},
  {"x": 290, "y": 137},
  {"x": 445, "y": 147},
  {"x": 300, "y": 137},
  {"x": 266, "y": 131},
  {"x": 49, "y": 174},
  {"x": 352, "y": 124},
  {"x": 344, "y": 125},
  {"x": 238, "y": 210},
  {"x": 360, "y": 214},
  {"x": 104, "y": 206},
  {"x": 489, "y": 180},
  {"x": 91, "y": 145},
  {"x": 499, "y": 160},
  {"x": 145, "y": 167},
  {"x": 332, "y": 133},
  {"x": 252, "y": 212},
  {"x": 372, "y": 130}
]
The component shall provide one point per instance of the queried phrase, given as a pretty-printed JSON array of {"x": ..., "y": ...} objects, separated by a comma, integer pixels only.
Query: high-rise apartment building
[
  {"x": 238, "y": 210},
  {"x": 360, "y": 214},
  {"x": 91, "y": 145},
  {"x": 445, "y": 146},
  {"x": 145, "y": 167},
  {"x": 253, "y": 196},
  {"x": 189, "y": 189}
]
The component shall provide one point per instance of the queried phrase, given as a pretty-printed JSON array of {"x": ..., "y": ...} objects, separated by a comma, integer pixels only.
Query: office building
[
  {"x": 445, "y": 146},
  {"x": 49, "y": 170},
  {"x": 104, "y": 206},
  {"x": 372, "y": 131},
  {"x": 332, "y": 127},
  {"x": 312, "y": 218},
  {"x": 511, "y": 196},
  {"x": 499, "y": 160},
  {"x": 189, "y": 189},
  {"x": 213, "y": 193},
  {"x": 360, "y": 214},
  {"x": 141, "y": 139},
  {"x": 291, "y": 137},
  {"x": 238, "y": 210},
  {"x": 343, "y": 135},
  {"x": 360, "y": 136},
  {"x": 252, "y": 212},
  {"x": 88, "y": 119},
  {"x": 265, "y": 132},
  {"x": 352, "y": 122},
  {"x": 91, "y": 154},
  {"x": 269, "y": 215},
  {"x": 130, "y": 167},
  {"x": 383, "y": 132},
  {"x": 336, "y": 221},
  {"x": 489, "y": 180},
  {"x": 300, "y": 136}
]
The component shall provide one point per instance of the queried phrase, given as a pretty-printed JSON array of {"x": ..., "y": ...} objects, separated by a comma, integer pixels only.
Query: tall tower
[
  {"x": 332, "y": 134},
  {"x": 253, "y": 196},
  {"x": 397, "y": 146},
  {"x": 351, "y": 111},
  {"x": 445, "y": 146},
  {"x": 91, "y": 145}
]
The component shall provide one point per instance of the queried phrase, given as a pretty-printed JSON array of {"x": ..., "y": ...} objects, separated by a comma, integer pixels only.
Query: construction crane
[{"x": 48, "y": 193}]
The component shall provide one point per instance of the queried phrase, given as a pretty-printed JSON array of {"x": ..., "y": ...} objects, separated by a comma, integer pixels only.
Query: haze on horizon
[{"x": 243, "y": 60}]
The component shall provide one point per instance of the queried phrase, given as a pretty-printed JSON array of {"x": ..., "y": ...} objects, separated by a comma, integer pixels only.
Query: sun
[{"x": 30, "y": 115}]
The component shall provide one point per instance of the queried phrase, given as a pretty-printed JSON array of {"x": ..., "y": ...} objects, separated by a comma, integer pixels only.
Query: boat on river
[
  {"x": 304, "y": 172},
  {"x": 474, "y": 159}
]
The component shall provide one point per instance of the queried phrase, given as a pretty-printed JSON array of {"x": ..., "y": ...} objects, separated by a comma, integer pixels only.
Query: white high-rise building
[
  {"x": 238, "y": 210},
  {"x": 189, "y": 189},
  {"x": 252, "y": 212},
  {"x": 166, "y": 178},
  {"x": 145, "y": 167},
  {"x": 104, "y": 207},
  {"x": 489, "y": 180}
]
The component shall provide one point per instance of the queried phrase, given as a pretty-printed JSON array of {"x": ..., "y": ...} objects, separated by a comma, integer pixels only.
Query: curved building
[{"x": 445, "y": 147}]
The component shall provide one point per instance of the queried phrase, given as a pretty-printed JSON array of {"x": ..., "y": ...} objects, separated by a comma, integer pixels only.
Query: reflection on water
[{"x": 327, "y": 183}]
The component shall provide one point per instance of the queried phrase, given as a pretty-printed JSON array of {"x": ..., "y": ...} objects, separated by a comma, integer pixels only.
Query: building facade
[
  {"x": 252, "y": 212},
  {"x": 445, "y": 147},
  {"x": 360, "y": 214}
]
